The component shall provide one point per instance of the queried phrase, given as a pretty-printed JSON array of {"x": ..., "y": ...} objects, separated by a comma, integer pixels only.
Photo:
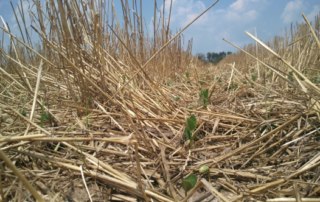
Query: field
[{"x": 102, "y": 111}]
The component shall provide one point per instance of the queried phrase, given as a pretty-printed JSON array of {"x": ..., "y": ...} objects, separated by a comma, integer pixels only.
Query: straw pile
[{"x": 98, "y": 111}]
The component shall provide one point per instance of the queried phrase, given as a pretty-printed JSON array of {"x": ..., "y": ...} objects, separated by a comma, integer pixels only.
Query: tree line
[{"x": 212, "y": 57}]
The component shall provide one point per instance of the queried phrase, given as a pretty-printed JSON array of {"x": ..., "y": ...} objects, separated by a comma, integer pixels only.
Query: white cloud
[
  {"x": 251, "y": 15},
  {"x": 213, "y": 25},
  {"x": 238, "y": 5},
  {"x": 292, "y": 11},
  {"x": 243, "y": 5},
  {"x": 315, "y": 11}
]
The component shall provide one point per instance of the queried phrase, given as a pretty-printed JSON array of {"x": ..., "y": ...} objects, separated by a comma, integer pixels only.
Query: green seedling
[
  {"x": 232, "y": 86},
  {"x": 188, "y": 183},
  {"x": 201, "y": 83},
  {"x": 23, "y": 112},
  {"x": 169, "y": 84},
  {"x": 204, "y": 96},
  {"x": 191, "y": 124},
  {"x": 205, "y": 169},
  {"x": 45, "y": 116},
  {"x": 176, "y": 98},
  {"x": 316, "y": 80},
  {"x": 253, "y": 77},
  {"x": 268, "y": 128},
  {"x": 187, "y": 75},
  {"x": 290, "y": 77}
]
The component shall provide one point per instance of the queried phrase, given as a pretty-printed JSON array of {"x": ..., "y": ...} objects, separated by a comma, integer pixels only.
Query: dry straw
[{"x": 99, "y": 107}]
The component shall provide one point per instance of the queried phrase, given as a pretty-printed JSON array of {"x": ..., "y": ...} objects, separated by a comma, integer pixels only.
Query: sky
[{"x": 227, "y": 19}]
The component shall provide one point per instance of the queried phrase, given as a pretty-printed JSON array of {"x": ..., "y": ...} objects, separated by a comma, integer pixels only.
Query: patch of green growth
[
  {"x": 233, "y": 86},
  {"x": 169, "y": 84},
  {"x": 316, "y": 80},
  {"x": 268, "y": 128},
  {"x": 187, "y": 75},
  {"x": 191, "y": 124},
  {"x": 176, "y": 98},
  {"x": 201, "y": 83},
  {"x": 204, "y": 96},
  {"x": 23, "y": 112},
  {"x": 244, "y": 82},
  {"x": 254, "y": 77},
  {"x": 44, "y": 116},
  {"x": 188, "y": 183},
  {"x": 290, "y": 77},
  {"x": 205, "y": 169}
]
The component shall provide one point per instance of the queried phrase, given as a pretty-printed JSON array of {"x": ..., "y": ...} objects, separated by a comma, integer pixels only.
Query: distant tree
[
  {"x": 201, "y": 56},
  {"x": 213, "y": 57}
]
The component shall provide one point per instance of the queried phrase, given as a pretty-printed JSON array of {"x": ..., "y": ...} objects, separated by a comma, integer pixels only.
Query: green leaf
[
  {"x": 189, "y": 107},
  {"x": 23, "y": 112},
  {"x": 188, "y": 183},
  {"x": 176, "y": 98},
  {"x": 191, "y": 123},
  {"x": 187, "y": 75},
  {"x": 254, "y": 77},
  {"x": 204, "y": 169},
  {"x": 194, "y": 136},
  {"x": 45, "y": 117},
  {"x": 169, "y": 84},
  {"x": 192, "y": 179},
  {"x": 205, "y": 93},
  {"x": 205, "y": 102},
  {"x": 263, "y": 128},
  {"x": 188, "y": 133}
]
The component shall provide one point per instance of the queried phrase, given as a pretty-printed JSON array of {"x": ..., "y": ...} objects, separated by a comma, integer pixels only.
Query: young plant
[
  {"x": 23, "y": 112},
  {"x": 253, "y": 77},
  {"x": 191, "y": 124},
  {"x": 204, "y": 96},
  {"x": 188, "y": 183},
  {"x": 205, "y": 169}
]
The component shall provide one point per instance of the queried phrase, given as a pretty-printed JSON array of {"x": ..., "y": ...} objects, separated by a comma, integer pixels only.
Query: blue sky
[{"x": 228, "y": 19}]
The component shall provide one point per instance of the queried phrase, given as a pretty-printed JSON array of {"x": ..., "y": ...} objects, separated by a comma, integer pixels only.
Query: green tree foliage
[{"x": 213, "y": 57}]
